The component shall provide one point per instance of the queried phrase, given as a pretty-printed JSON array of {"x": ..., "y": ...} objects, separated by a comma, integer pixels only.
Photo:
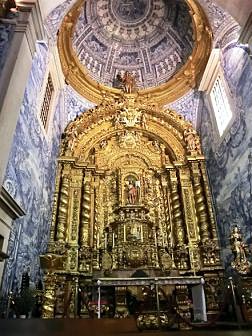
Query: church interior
[{"x": 126, "y": 163}]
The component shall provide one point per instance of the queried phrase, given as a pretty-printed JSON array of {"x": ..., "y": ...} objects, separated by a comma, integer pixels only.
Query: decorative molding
[
  {"x": 30, "y": 21},
  {"x": 3, "y": 256},
  {"x": 169, "y": 280},
  {"x": 211, "y": 70},
  {"x": 246, "y": 32},
  {"x": 9, "y": 205}
]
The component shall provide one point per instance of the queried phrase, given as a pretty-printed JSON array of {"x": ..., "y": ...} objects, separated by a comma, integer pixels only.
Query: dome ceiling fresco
[{"x": 151, "y": 38}]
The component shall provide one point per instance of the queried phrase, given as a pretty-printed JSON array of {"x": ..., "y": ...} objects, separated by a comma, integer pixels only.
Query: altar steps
[{"x": 95, "y": 327}]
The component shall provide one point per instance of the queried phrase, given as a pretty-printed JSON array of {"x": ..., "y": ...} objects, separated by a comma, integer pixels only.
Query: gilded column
[
  {"x": 74, "y": 218},
  {"x": 188, "y": 203},
  {"x": 190, "y": 216},
  {"x": 178, "y": 229},
  {"x": 108, "y": 199},
  {"x": 100, "y": 210},
  {"x": 200, "y": 201},
  {"x": 97, "y": 201},
  {"x": 167, "y": 228},
  {"x": 96, "y": 226},
  {"x": 208, "y": 199},
  {"x": 161, "y": 222},
  {"x": 119, "y": 187},
  {"x": 84, "y": 237},
  {"x": 85, "y": 253},
  {"x": 63, "y": 205},
  {"x": 49, "y": 297},
  {"x": 55, "y": 204}
]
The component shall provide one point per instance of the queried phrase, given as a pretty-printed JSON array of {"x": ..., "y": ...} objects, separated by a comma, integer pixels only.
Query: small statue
[
  {"x": 240, "y": 262},
  {"x": 129, "y": 82},
  {"x": 192, "y": 141},
  {"x": 132, "y": 193},
  {"x": 121, "y": 215},
  {"x": 143, "y": 121},
  {"x": 156, "y": 146}
]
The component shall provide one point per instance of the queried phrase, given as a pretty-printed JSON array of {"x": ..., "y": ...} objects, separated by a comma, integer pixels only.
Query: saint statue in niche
[
  {"x": 192, "y": 141},
  {"x": 132, "y": 193},
  {"x": 133, "y": 232},
  {"x": 133, "y": 190}
]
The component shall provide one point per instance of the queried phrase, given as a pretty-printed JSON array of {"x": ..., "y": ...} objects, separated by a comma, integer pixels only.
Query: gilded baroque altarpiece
[{"x": 131, "y": 194}]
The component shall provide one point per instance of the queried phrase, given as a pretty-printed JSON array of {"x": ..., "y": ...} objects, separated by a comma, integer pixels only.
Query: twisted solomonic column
[
  {"x": 85, "y": 213},
  {"x": 63, "y": 209},
  {"x": 176, "y": 208},
  {"x": 200, "y": 201}
]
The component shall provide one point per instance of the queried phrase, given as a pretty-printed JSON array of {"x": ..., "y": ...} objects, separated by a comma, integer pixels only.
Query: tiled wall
[
  {"x": 31, "y": 170},
  {"x": 230, "y": 171}
]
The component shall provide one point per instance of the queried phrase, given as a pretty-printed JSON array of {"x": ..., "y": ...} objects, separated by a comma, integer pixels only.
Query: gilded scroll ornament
[
  {"x": 210, "y": 253},
  {"x": 128, "y": 117},
  {"x": 63, "y": 209}
]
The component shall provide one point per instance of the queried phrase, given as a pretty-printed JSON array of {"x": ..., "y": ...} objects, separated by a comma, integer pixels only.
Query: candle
[{"x": 105, "y": 240}]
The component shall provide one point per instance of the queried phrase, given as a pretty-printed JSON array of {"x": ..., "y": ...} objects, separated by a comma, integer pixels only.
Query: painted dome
[{"x": 150, "y": 38}]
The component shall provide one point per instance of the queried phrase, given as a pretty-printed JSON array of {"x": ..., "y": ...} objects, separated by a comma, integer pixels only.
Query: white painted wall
[{"x": 5, "y": 227}]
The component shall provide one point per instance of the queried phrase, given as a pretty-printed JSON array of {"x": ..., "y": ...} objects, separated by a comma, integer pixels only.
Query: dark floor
[{"x": 94, "y": 327}]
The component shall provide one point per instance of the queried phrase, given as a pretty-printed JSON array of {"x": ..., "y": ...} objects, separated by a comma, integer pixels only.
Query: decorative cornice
[
  {"x": 246, "y": 32},
  {"x": 30, "y": 21},
  {"x": 185, "y": 79},
  {"x": 3, "y": 256},
  {"x": 210, "y": 71},
  {"x": 9, "y": 205}
]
